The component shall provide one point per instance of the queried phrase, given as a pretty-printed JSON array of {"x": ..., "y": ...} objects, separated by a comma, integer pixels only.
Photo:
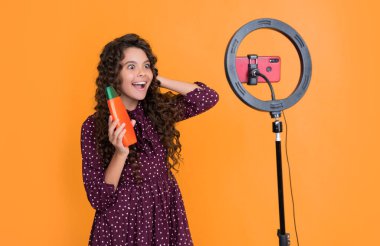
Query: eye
[
  {"x": 131, "y": 66},
  {"x": 147, "y": 65}
]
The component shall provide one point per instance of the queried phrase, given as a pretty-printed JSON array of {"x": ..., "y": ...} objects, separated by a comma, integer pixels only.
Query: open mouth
[{"x": 139, "y": 85}]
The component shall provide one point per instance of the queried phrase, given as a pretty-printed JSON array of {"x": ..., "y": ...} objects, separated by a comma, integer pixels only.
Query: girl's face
[{"x": 136, "y": 76}]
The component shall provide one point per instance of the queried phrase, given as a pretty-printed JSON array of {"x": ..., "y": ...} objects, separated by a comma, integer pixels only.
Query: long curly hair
[{"x": 158, "y": 107}]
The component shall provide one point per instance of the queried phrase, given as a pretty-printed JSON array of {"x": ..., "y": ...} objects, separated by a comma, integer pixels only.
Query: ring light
[{"x": 273, "y": 106}]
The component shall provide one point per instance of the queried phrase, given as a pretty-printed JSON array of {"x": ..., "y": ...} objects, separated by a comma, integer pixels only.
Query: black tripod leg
[
  {"x": 281, "y": 233},
  {"x": 280, "y": 187}
]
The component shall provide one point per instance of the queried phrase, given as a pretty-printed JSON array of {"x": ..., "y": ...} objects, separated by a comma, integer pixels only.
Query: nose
[{"x": 141, "y": 73}]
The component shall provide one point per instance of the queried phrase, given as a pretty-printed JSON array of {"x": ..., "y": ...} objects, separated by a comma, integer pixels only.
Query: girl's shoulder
[
  {"x": 90, "y": 118},
  {"x": 89, "y": 122}
]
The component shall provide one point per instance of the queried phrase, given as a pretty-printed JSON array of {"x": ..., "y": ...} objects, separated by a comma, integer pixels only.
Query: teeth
[{"x": 139, "y": 83}]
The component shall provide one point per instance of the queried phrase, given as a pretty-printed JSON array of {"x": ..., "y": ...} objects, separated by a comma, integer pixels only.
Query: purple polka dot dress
[{"x": 153, "y": 212}]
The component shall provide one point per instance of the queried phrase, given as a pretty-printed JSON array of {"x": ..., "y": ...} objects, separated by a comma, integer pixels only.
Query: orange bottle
[{"x": 118, "y": 111}]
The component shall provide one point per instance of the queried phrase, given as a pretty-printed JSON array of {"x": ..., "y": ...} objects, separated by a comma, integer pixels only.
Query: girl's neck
[{"x": 129, "y": 103}]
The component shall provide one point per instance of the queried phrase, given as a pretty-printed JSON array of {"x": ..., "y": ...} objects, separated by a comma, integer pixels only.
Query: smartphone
[{"x": 270, "y": 66}]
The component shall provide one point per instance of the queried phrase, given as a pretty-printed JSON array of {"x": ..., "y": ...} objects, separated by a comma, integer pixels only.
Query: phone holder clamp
[{"x": 252, "y": 69}]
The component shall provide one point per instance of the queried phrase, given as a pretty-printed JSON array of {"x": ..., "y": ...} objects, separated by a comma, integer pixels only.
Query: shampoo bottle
[{"x": 118, "y": 111}]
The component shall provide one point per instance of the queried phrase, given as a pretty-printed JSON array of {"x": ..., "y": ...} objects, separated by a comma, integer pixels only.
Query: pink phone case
[{"x": 267, "y": 65}]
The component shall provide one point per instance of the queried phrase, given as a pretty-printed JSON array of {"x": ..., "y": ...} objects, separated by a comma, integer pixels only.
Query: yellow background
[{"x": 49, "y": 53}]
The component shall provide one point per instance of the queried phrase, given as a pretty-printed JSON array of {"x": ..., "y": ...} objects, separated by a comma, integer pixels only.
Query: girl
[{"x": 136, "y": 197}]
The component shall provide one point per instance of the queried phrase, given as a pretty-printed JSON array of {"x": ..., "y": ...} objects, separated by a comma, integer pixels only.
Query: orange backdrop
[{"x": 49, "y": 54}]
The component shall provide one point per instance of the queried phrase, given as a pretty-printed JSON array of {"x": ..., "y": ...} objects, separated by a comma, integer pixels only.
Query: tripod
[
  {"x": 275, "y": 107},
  {"x": 284, "y": 238}
]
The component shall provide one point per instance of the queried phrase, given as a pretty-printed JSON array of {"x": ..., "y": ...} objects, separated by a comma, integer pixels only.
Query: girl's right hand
[{"x": 116, "y": 134}]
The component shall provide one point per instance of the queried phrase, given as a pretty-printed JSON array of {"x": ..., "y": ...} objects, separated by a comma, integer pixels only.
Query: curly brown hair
[{"x": 159, "y": 107}]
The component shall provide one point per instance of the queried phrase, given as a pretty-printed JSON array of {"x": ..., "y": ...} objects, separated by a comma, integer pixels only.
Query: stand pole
[{"x": 281, "y": 233}]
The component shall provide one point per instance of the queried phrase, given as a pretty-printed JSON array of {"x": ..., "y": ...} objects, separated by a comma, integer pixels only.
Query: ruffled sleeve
[
  {"x": 100, "y": 194},
  {"x": 197, "y": 101}
]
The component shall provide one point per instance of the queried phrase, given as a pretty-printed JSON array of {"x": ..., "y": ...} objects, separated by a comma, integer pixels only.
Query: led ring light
[{"x": 273, "y": 106}]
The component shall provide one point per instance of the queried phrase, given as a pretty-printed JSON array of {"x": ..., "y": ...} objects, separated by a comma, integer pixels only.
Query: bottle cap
[{"x": 111, "y": 93}]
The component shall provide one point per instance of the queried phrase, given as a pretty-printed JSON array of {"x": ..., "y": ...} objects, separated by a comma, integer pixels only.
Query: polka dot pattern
[{"x": 153, "y": 212}]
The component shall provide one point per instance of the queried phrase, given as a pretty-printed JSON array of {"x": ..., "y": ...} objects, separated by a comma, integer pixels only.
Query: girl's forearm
[
  {"x": 179, "y": 86},
  {"x": 114, "y": 169}
]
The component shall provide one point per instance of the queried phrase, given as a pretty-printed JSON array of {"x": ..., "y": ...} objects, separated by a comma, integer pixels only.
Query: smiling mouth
[{"x": 139, "y": 85}]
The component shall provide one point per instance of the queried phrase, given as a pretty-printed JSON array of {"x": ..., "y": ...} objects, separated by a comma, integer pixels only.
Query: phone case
[{"x": 270, "y": 66}]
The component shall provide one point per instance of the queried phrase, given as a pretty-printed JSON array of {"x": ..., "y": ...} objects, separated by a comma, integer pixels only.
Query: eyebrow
[{"x": 133, "y": 62}]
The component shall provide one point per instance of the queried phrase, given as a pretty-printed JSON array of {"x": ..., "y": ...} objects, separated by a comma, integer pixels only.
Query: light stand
[
  {"x": 284, "y": 237},
  {"x": 274, "y": 106}
]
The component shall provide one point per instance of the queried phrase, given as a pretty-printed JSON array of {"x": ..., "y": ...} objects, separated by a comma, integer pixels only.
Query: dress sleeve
[
  {"x": 197, "y": 101},
  {"x": 100, "y": 194}
]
